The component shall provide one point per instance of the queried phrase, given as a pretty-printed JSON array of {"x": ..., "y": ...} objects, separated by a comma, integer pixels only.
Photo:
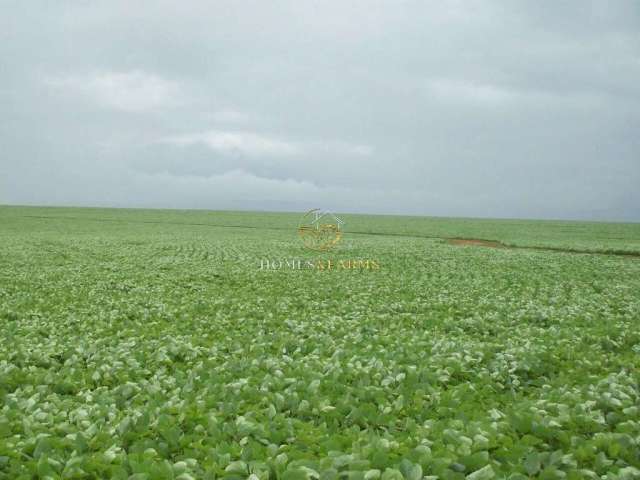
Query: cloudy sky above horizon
[{"x": 452, "y": 108}]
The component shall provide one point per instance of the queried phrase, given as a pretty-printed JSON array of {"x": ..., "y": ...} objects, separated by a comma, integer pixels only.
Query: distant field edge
[
  {"x": 298, "y": 212},
  {"x": 456, "y": 232}
]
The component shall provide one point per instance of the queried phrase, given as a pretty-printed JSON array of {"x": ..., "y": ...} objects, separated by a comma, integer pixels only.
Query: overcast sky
[{"x": 451, "y": 108}]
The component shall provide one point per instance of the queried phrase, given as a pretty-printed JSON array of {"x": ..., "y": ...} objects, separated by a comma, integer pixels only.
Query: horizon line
[{"x": 405, "y": 215}]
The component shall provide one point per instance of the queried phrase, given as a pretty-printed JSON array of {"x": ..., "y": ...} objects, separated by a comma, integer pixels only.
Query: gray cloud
[
  {"x": 133, "y": 91},
  {"x": 476, "y": 108}
]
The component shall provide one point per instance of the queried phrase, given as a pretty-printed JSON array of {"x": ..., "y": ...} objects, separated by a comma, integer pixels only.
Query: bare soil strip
[
  {"x": 472, "y": 241},
  {"x": 461, "y": 242}
]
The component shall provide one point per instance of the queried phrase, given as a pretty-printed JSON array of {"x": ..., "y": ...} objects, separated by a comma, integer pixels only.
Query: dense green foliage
[{"x": 149, "y": 345}]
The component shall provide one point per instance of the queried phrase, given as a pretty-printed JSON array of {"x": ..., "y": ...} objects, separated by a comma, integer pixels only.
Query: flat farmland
[{"x": 150, "y": 344}]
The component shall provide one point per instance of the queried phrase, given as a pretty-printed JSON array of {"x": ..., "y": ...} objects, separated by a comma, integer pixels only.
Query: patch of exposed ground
[
  {"x": 471, "y": 241},
  {"x": 461, "y": 242}
]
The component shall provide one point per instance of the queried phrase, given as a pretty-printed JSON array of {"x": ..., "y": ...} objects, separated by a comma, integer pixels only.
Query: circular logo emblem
[{"x": 320, "y": 230}]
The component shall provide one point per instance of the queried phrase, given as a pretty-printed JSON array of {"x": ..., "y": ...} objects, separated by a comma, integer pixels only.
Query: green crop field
[{"x": 149, "y": 344}]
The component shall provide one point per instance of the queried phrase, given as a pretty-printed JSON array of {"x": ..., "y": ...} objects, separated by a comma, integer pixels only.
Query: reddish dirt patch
[{"x": 461, "y": 242}]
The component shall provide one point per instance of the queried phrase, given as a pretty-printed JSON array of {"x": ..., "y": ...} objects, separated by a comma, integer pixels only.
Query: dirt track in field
[
  {"x": 475, "y": 242},
  {"x": 479, "y": 243}
]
